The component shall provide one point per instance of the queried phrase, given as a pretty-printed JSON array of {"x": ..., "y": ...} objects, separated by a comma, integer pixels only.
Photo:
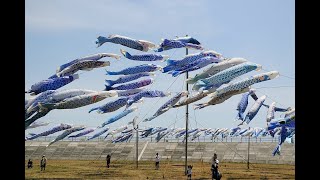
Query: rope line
[
  {"x": 231, "y": 149},
  {"x": 159, "y": 98},
  {"x": 271, "y": 98},
  {"x": 156, "y": 102},
  {"x": 266, "y": 70}
]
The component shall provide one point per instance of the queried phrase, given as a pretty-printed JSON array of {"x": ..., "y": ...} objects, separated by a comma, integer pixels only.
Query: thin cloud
[{"x": 114, "y": 15}]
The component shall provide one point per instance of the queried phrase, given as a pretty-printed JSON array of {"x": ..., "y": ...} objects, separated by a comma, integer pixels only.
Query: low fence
[
  {"x": 152, "y": 139},
  {"x": 202, "y": 151}
]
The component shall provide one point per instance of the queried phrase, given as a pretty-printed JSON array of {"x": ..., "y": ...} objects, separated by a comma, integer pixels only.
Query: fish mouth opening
[
  {"x": 274, "y": 74},
  {"x": 195, "y": 87},
  {"x": 252, "y": 90},
  {"x": 167, "y": 93},
  {"x": 259, "y": 67},
  {"x": 107, "y": 94},
  {"x": 152, "y": 73},
  {"x": 151, "y": 80},
  {"x": 117, "y": 57},
  {"x": 107, "y": 63},
  {"x": 134, "y": 108}
]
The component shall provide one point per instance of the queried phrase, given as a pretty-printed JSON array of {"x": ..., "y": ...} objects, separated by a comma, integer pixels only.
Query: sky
[{"x": 262, "y": 32}]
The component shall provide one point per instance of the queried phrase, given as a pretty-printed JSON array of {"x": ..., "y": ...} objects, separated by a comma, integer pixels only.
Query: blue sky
[{"x": 263, "y": 32}]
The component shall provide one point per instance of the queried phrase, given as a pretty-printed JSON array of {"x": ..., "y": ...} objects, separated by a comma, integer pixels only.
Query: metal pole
[
  {"x": 187, "y": 119},
  {"x": 137, "y": 139},
  {"x": 136, "y": 127},
  {"x": 248, "y": 151}
]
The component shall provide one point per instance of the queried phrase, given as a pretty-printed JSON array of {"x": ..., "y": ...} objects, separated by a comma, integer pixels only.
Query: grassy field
[{"x": 86, "y": 169}]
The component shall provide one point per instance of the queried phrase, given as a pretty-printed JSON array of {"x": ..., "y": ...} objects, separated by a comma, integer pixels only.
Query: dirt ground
[{"x": 88, "y": 169}]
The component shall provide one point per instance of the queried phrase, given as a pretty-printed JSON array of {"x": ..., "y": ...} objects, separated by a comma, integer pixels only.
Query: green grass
[{"x": 87, "y": 169}]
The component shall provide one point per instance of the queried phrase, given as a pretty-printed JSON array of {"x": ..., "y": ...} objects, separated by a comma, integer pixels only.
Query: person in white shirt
[{"x": 157, "y": 161}]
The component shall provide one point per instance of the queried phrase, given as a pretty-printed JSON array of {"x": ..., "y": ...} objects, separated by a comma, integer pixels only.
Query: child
[
  {"x": 30, "y": 164},
  {"x": 189, "y": 171}
]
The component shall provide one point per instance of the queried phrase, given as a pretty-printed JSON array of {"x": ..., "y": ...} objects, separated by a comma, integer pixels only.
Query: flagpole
[{"x": 187, "y": 119}]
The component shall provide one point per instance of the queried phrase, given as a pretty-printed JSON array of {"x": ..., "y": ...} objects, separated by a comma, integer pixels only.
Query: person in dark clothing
[
  {"x": 108, "y": 160},
  {"x": 30, "y": 164},
  {"x": 215, "y": 168},
  {"x": 189, "y": 172}
]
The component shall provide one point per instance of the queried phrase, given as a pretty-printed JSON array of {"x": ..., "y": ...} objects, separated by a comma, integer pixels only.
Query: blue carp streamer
[
  {"x": 127, "y": 78},
  {"x": 136, "y": 69},
  {"x": 144, "y": 57},
  {"x": 141, "y": 45},
  {"x": 51, "y": 84},
  {"x": 133, "y": 85}
]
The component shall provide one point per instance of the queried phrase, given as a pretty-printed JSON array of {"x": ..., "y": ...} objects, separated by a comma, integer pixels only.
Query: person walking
[
  {"x": 215, "y": 168},
  {"x": 108, "y": 160}
]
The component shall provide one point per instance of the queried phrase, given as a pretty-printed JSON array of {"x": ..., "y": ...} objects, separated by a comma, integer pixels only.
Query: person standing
[
  {"x": 215, "y": 168},
  {"x": 157, "y": 161},
  {"x": 108, "y": 160},
  {"x": 189, "y": 172},
  {"x": 30, "y": 164},
  {"x": 43, "y": 162}
]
